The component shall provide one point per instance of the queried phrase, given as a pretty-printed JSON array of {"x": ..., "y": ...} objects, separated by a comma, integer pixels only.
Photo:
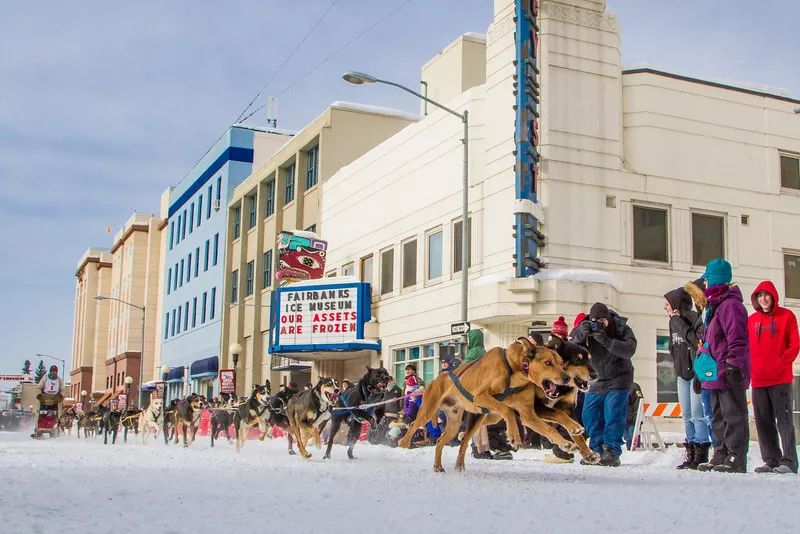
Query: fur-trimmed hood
[{"x": 697, "y": 294}]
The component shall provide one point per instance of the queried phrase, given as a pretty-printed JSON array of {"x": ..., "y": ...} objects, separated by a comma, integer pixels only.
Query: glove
[
  {"x": 585, "y": 329},
  {"x": 601, "y": 338},
  {"x": 733, "y": 375},
  {"x": 697, "y": 387}
]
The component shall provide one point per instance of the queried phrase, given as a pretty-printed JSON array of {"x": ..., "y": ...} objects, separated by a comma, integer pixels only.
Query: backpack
[{"x": 705, "y": 366}]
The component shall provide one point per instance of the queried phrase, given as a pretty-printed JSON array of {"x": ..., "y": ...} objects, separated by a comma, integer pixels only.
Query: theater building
[{"x": 644, "y": 176}]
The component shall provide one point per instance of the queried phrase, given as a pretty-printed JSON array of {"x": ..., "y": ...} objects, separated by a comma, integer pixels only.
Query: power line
[
  {"x": 286, "y": 60},
  {"x": 334, "y": 54}
]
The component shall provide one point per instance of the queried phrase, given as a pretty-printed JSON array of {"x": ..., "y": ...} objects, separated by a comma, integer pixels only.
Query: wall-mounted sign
[
  {"x": 161, "y": 390},
  {"x": 113, "y": 405},
  {"x": 301, "y": 256},
  {"x": 122, "y": 402},
  {"x": 227, "y": 381},
  {"x": 321, "y": 317}
]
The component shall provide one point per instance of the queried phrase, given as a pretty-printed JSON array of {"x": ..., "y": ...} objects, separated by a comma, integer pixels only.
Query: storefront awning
[
  {"x": 175, "y": 374},
  {"x": 204, "y": 367},
  {"x": 149, "y": 386}
]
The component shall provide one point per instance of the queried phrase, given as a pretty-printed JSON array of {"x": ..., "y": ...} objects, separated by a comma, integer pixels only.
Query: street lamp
[
  {"x": 141, "y": 354},
  {"x": 128, "y": 382},
  {"x": 63, "y": 362},
  {"x": 797, "y": 110},
  {"x": 360, "y": 78},
  {"x": 164, "y": 374},
  {"x": 234, "y": 350},
  {"x": 84, "y": 406}
]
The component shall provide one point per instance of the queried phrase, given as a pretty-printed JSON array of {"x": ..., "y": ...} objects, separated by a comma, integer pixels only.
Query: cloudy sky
[{"x": 103, "y": 105}]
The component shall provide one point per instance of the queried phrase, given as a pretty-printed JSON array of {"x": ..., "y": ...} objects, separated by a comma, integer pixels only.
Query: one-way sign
[{"x": 459, "y": 328}]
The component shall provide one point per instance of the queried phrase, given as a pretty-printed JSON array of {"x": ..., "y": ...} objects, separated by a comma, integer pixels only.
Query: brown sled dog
[
  {"x": 488, "y": 385},
  {"x": 557, "y": 406}
]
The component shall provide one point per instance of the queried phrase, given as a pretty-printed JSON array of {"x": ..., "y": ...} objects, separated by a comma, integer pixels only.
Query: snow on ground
[{"x": 88, "y": 487}]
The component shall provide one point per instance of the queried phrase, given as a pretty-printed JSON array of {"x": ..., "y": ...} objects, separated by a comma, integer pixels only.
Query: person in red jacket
[{"x": 774, "y": 344}]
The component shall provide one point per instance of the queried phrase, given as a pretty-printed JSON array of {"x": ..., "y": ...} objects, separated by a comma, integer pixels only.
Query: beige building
[
  {"x": 644, "y": 177},
  {"x": 284, "y": 194},
  {"x": 90, "y": 329}
]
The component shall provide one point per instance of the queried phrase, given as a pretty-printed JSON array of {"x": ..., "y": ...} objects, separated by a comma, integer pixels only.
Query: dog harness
[
  {"x": 365, "y": 397},
  {"x": 501, "y": 396}
]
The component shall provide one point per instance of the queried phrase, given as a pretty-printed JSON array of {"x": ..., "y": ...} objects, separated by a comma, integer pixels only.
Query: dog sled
[{"x": 47, "y": 419}]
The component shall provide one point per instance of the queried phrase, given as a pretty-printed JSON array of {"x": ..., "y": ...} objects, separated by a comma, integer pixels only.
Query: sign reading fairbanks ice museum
[{"x": 318, "y": 317}]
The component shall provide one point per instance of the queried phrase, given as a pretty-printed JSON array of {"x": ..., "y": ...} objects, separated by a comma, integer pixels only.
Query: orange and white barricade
[{"x": 645, "y": 428}]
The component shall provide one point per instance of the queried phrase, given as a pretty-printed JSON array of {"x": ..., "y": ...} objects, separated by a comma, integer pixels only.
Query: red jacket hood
[{"x": 769, "y": 287}]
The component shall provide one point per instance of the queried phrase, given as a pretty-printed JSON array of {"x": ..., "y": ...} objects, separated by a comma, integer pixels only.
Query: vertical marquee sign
[{"x": 527, "y": 237}]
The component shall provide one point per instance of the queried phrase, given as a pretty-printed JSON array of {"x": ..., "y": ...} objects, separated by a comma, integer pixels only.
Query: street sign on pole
[{"x": 460, "y": 328}]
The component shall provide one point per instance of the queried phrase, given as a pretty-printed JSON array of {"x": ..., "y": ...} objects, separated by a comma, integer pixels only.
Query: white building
[{"x": 644, "y": 177}]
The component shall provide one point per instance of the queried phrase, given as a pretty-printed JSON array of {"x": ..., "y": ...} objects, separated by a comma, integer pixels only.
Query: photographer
[{"x": 612, "y": 344}]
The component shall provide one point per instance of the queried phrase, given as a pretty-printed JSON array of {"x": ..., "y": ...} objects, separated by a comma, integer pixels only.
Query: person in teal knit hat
[{"x": 726, "y": 374}]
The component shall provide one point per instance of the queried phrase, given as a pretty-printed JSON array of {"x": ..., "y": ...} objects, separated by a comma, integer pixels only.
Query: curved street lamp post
[{"x": 141, "y": 354}]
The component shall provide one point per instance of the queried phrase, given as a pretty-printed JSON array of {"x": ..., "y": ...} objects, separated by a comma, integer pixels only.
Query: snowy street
[{"x": 88, "y": 487}]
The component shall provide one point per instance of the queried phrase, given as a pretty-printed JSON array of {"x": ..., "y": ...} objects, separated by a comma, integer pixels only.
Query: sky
[{"x": 103, "y": 105}]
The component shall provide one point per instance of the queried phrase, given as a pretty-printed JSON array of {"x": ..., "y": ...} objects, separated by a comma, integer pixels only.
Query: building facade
[
  {"x": 644, "y": 176},
  {"x": 284, "y": 194},
  {"x": 90, "y": 323},
  {"x": 194, "y": 255}
]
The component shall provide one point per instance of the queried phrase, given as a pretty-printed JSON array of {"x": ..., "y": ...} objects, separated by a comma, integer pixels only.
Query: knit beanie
[
  {"x": 578, "y": 318},
  {"x": 559, "y": 328},
  {"x": 599, "y": 311},
  {"x": 718, "y": 273}
]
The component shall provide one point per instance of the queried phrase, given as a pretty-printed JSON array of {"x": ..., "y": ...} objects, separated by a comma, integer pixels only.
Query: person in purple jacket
[{"x": 726, "y": 341}]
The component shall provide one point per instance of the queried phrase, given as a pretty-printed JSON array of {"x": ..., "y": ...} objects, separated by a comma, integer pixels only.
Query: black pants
[
  {"x": 729, "y": 422},
  {"x": 772, "y": 407}
]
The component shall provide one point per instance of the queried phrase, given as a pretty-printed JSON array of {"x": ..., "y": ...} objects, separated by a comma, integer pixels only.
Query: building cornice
[
  {"x": 88, "y": 260},
  {"x": 163, "y": 224},
  {"x": 133, "y": 228}
]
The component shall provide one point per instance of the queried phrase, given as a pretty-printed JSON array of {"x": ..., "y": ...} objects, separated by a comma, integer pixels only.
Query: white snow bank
[
  {"x": 580, "y": 275},
  {"x": 131, "y": 488},
  {"x": 380, "y": 110},
  {"x": 490, "y": 279}
]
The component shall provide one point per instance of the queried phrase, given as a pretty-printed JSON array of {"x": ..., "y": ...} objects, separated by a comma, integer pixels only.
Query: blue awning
[
  {"x": 204, "y": 367},
  {"x": 149, "y": 386},
  {"x": 175, "y": 374}
]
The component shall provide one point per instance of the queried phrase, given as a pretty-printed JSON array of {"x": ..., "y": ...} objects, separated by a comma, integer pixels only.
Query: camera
[{"x": 596, "y": 325}]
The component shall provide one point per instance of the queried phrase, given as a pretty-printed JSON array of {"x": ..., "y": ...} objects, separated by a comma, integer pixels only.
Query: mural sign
[{"x": 301, "y": 256}]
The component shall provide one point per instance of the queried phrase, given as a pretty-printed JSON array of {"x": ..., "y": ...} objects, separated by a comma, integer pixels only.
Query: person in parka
[
  {"x": 684, "y": 333},
  {"x": 726, "y": 342},
  {"x": 612, "y": 345},
  {"x": 774, "y": 345},
  {"x": 475, "y": 348}
]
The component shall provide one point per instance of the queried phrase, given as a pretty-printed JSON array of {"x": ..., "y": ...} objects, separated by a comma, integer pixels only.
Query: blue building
[{"x": 195, "y": 245}]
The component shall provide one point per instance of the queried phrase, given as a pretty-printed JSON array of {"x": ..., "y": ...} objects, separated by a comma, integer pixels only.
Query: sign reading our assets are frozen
[{"x": 319, "y": 317}]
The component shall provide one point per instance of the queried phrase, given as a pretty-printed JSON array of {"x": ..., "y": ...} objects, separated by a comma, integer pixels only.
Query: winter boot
[
  {"x": 502, "y": 455},
  {"x": 766, "y": 468},
  {"x": 732, "y": 464},
  {"x": 559, "y": 457},
  {"x": 688, "y": 457},
  {"x": 719, "y": 457},
  {"x": 609, "y": 458},
  {"x": 783, "y": 470},
  {"x": 700, "y": 454}
]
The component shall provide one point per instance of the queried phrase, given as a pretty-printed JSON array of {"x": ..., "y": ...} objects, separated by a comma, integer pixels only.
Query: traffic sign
[{"x": 459, "y": 328}]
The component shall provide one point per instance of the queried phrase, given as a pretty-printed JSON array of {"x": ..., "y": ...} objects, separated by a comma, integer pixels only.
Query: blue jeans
[
  {"x": 604, "y": 417},
  {"x": 705, "y": 397},
  {"x": 692, "y": 412}
]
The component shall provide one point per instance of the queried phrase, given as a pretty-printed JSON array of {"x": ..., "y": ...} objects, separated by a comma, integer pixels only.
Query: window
[
  {"x": 212, "y": 310},
  {"x": 166, "y": 325},
  {"x": 425, "y": 358},
  {"x": 196, "y": 261},
  {"x": 186, "y": 316},
  {"x": 172, "y": 327},
  {"x": 234, "y": 286},
  {"x": 708, "y": 238},
  {"x": 267, "y": 281},
  {"x": 366, "y": 269},
  {"x": 219, "y": 191},
  {"x": 331, "y": 274},
  {"x": 208, "y": 206},
  {"x": 288, "y": 180},
  {"x": 178, "y": 235},
  {"x": 457, "y": 235},
  {"x": 178, "y": 329},
  {"x": 237, "y": 222},
  {"x": 191, "y": 217},
  {"x": 650, "y": 241},
  {"x": 435, "y": 255},
  {"x": 791, "y": 274},
  {"x": 251, "y": 204},
  {"x": 175, "y": 281},
  {"x": 790, "y": 172},
  {"x": 194, "y": 312},
  {"x": 410, "y": 263},
  {"x": 189, "y": 268},
  {"x": 251, "y": 269},
  {"x": 180, "y": 278},
  {"x": 171, "y": 233},
  {"x": 203, "y": 309},
  {"x": 312, "y": 228},
  {"x": 387, "y": 271},
  {"x": 205, "y": 256},
  {"x": 269, "y": 198},
  {"x": 312, "y": 157},
  {"x": 183, "y": 227},
  {"x": 666, "y": 381},
  {"x": 348, "y": 270},
  {"x": 199, "y": 210},
  {"x": 216, "y": 249},
  {"x": 169, "y": 279}
]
